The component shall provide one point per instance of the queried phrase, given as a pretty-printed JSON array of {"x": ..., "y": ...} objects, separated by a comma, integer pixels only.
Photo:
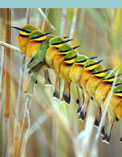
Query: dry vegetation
[{"x": 40, "y": 125}]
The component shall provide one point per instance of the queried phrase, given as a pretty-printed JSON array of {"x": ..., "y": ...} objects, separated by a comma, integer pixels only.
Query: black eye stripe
[
  {"x": 21, "y": 29},
  {"x": 36, "y": 37}
]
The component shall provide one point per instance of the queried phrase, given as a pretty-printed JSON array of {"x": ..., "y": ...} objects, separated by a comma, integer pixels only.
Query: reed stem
[
  {"x": 45, "y": 21},
  {"x": 48, "y": 22},
  {"x": 7, "y": 68},
  {"x": 73, "y": 23}
]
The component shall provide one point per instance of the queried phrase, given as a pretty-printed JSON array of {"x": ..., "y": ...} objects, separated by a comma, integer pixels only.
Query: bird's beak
[
  {"x": 92, "y": 57},
  {"x": 65, "y": 41},
  {"x": 21, "y": 29},
  {"x": 75, "y": 47},
  {"x": 44, "y": 34}
]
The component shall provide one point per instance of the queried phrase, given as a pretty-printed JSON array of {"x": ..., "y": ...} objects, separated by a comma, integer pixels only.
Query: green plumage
[
  {"x": 81, "y": 58},
  {"x": 40, "y": 55},
  {"x": 30, "y": 28},
  {"x": 71, "y": 54},
  {"x": 56, "y": 40}
]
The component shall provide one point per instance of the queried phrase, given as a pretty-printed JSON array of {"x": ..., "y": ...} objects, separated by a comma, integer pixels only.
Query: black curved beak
[
  {"x": 94, "y": 63},
  {"x": 92, "y": 57},
  {"x": 44, "y": 34},
  {"x": 65, "y": 41},
  {"x": 20, "y": 29},
  {"x": 75, "y": 47}
]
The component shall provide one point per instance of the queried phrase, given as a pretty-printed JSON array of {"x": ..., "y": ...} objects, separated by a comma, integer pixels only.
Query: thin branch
[
  {"x": 63, "y": 21},
  {"x": 9, "y": 46},
  {"x": 44, "y": 21},
  {"x": 73, "y": 23},
  {"x": 28, "y": 15},
  {"x": 41, "y": 12}
]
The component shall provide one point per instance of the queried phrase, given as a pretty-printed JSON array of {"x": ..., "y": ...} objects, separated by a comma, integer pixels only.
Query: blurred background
[{"x": 54, "y": 127}]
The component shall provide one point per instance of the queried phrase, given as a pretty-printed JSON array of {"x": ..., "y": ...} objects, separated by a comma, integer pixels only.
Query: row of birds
[{"x": 92, "y": 79}]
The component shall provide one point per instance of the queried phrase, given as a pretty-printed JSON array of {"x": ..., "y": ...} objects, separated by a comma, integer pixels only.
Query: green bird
[{"x": 37, "y": 45}]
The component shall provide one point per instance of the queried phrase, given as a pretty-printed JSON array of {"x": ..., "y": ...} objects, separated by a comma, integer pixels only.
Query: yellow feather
[
  {"x": 70, "y": 61},
  {"x": 118, "y": 94},
  {"x": 39, "y": 39},
  {"x": 58, "y": 45},
  {"x": 24, "y": 33},
  {"x": 110, "y": 80},
  {"x": 101, "y": 74},
  {"x": 92, "y": 67}
]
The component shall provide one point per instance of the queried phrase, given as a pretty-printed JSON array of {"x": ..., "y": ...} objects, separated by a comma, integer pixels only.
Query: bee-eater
[
  {"x": 36, "y": 48},
  {"x": 54, "y": 44},
  {"x": 101, "y": 92},
  {"x": 23, "y": 37},
  {"x": 114, "y": 103},
  {"x": 58, "y": 59},
  {"x": 89, "y": 66},
  {"x": 92, "y": 84}
]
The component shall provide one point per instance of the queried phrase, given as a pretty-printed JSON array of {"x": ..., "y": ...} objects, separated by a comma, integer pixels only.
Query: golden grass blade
[
  {"x": 28, "y": 15},
  {"x": 7, "y": 68}
]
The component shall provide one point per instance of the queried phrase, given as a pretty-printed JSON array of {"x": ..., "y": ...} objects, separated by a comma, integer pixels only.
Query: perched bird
[
  {"x": 54, "y": 44},
  {"x": 67, "y": 63},
  {"x": 57, "y": 61},
  {"x": 91, "y": 86},
  {"x": 89, "y": 66},
  {"x": 23, "y": 37},
  {"x": 36, "y": 48},
  {"x": 76, "y": 68},
  {"x": 102, "y": 90},
  {"x": 114, "y": 107}
]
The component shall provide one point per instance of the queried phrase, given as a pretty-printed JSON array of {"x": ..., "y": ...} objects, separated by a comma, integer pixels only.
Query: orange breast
[
  {"x": 114, "y": 102},
  {"x": 58, "y": 59},
  {"x": 50, "y": 54},
  {"x": 119, "y": 112},
  {"x": 84, "y": 77},
  {"x": 75, "y": 72},
  {"x": 64, "y": 71},
  {"x": 101, "y": 91},
  {"x": 92, "y": 84},
  {"x": 22, "y": 41},
  {"x": 31, "y": 48}
]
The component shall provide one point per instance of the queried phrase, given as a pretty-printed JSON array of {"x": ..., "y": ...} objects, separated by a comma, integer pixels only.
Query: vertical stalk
[
  {"x": 45, "y": 21},
  {"x": 7, "y": 68},
  {"x": 55, "y": 120},
  {"x": 1, "y": 78},
  {"x": 73, "y": 23},
  {"x": 28, "y": 15},
  {"x": 63, "y": 20},
  {"x": 17, "y": 142}
]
